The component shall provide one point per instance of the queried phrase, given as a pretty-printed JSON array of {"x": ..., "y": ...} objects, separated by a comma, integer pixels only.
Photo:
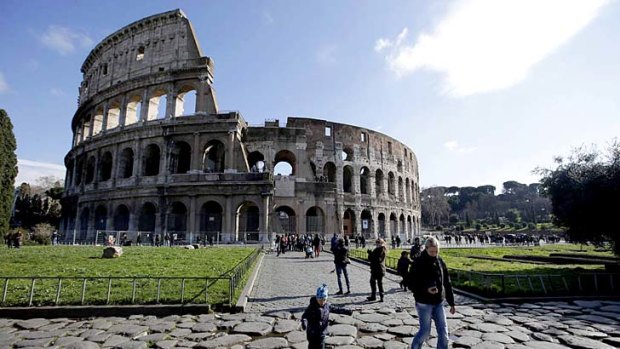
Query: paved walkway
[{"x": 284, "y": 286}]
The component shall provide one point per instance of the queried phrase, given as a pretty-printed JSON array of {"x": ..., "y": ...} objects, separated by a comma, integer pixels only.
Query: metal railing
[{"x": 73, "y": 290}]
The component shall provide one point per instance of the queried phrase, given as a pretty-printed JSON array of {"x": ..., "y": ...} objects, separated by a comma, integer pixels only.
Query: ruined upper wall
[{"x": 157, "y": 43}]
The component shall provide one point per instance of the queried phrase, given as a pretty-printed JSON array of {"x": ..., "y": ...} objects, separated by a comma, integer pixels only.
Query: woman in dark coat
[
  {"x": 341, "y": 260},
  {"x": 376, "y": 258}
]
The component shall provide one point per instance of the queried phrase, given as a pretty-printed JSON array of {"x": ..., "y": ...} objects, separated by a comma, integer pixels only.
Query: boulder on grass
[
  {"x": 112, "y": 252},
  {"x": 188, "y": 247}
]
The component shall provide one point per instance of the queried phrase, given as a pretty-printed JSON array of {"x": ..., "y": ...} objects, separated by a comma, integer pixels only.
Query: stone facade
[{"x": 152, "y": 153}]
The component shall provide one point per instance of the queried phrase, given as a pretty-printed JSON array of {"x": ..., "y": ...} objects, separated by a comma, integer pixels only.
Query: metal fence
[{"x": 67, "y": 290}]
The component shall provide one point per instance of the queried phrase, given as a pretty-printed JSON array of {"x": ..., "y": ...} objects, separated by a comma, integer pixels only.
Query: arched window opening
[
  {"x": 114, "y": 111},
  {"x": 248, "y": 221},
  {"x": 211, "y": 218},
  {"x": 78, "y": 135},
  {"x": 86, "y": 129},
  {"x": 399, "y": 166},
  {"x": 185, "y": 102},
  {"x": 347, "y": 154},
  {"x": 381, "y": 220},
  {"x": 366, "y": 219},
  {"x": 313, "y": 169},
  {"x": 379, "y": 186},
  {"x": 393, "y": 225},
  {"x": 146, "y": 222},
  {"x": 121, "y": 218},
  {"x": 407, "y": 191},
  {"x": 151, "y": 160},
  {"x": 101, "y": 218},
  {"x": 180, "y": 157},
  {"x": 79, "y": 170},
  {"x": 256, "y": 160},
  {"x": 177, "y": 219},
  {"x": 125, "y": 169},
  {"x": 391, "y": 183},
  {"x": 401, "y": 191},
  {"x": 157, "y": 105},
  {"x": 330, "y": 172},
  {"x": 69, "y": 174},
  {"x": 285, "y": 222},
  {"x": 364, "y": 179},
  {"x": 409, "y": 227},
  {"x": 105, "y": 166},
  {"x": 284, "y": 163},
  {"x": 347, "y": 179},
  {"x": 348, "y": 223},
  {"x": 84, "y": 218},
  {"x": 315, "y": 221},
  {"x": 98, "y": 121},
  {"x": 401, "y": 226},
  {"x": 134, "y": 109},
  {"x": 90, "y": 170},
  {"x": 213, "y": 157},
  {"x": 140, "y": 53}
]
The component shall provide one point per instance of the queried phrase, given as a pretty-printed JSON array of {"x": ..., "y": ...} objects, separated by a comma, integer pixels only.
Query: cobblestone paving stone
[{"x": 282, "y": 290}]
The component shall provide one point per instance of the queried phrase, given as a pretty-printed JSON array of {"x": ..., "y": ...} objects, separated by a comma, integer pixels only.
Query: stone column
[
  {"x": 104, "y": 119},
  {"x": 228, "y": 226},
  {"x": 192, "y": 216},
  {"x": 196, "y": 161},
  {"x": 171, "y": 100},
  {"x": 123, "y": 112},
  {"x": 137, "y": 159},
  {"x": 264, "y": 225},
  {"x": 144, "y": 110},
  {"x": 230, "y": 157}
]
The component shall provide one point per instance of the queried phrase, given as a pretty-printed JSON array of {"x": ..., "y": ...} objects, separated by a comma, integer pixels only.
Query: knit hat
[{"x": 322, "y": 292}]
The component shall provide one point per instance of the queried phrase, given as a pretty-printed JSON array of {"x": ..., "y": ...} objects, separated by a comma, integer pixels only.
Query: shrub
[
  {"x": 439, "y": 228},
  {"x": 502, "y": 225},
  {"x": 41, "y": 233},
  {"x": 478, "y": 227}
]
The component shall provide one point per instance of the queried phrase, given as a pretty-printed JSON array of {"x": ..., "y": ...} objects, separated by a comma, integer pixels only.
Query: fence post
[
  {"x": 503, "y": 284},
  {"x": 31, "y": 292},
  {"x": 58, "y": 291},
  {"x": 6, "y": 289},
  {"x": 83, "y": 291},
  {"x": 107, "y": 301}
]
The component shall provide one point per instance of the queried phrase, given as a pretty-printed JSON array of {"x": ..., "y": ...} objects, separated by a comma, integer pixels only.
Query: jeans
[
  {"x": 426, "y": 312},
  {"x": 340, "y": 268}
]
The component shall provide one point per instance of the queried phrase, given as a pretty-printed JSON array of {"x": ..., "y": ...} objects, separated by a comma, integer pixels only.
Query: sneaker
[
  {"x": 381, "y": 299},
  {"x": 371, "y": 298},
  {"x": 348, "y": 292},
  {"x": 338, "y": 293}
]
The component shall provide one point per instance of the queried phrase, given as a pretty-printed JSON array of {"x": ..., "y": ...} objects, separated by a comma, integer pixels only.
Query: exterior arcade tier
[{"x": 153, "y": 155}]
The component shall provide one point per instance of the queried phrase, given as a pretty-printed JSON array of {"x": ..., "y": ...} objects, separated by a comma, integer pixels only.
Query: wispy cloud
[
  {"x": 486, "y": 45},
  {"x": 326, "y": 55},
  {"x": 454, "y": 146},
  {"x": 57, "y": 92},
  {"x": 64, "y": 40},
  {"x": 4, "y": 86},
  {"x": 30, "y": 171}
]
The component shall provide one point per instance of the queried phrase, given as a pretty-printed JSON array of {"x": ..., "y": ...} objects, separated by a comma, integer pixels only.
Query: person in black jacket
[
  {"x": 341, "y": 260},
  {"x": 315, "y": 318},
  {"x": 376, "y": 258},
  {"x": 430, "y": 283}
]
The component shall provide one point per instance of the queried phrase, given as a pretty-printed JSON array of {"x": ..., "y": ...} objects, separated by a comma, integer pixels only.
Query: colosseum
[{"x": 152, "y": 154}]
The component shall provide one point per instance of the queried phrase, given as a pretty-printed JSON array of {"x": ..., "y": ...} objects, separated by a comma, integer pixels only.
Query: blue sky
[{"x": 483, "y": 91}]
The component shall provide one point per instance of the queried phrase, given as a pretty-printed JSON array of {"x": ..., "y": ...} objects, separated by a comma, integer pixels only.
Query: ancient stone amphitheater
[{"x": 152, "y": 154}]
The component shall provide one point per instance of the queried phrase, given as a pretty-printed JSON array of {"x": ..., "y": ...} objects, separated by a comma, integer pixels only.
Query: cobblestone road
[{"x": 287, "y": 282}]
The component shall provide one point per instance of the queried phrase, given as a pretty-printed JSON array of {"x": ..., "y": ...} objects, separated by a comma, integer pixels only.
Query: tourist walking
[
  {"x": 315, "y": 318},
  {"x": 431, "y": 287},
  {"x": 341, "y": 260},
  {"x": 376, "y": 258},
  {"x": 403, "y": 269},
  {"x": 316, "y": 244},
  {"x": 416, "y": 248}
]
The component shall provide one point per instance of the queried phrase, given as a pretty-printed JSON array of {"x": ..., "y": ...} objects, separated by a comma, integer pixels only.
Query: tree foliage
[
  {"x": 8, "y": 170},
  {"x": 39, "y": 203},
  {"x": 584, "y": 190}
]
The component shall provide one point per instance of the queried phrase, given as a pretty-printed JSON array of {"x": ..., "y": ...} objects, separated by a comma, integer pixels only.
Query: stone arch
[
  {"x": 347, "y": 154},
  {"x": 157, "y": 105},
  {"x": 256, "y": 160},
  {"x": 114, "y": 112},
  {"x": 180, "y": 157},
  {"x": 248, "y": 221},
  {"x": 364, "y": 180},
  {"x": 401, "y": 191},
  {"x": 391, "y": 183},
  {"x": 347, "y": 179},
  {"x": 185, "y": 101},
  {"x": 121, "y": 218},
  {"x": 101, "y": 217},
  {"x": 348, "y": 222},
  {"x": 393, "y": 224},
  {"x": 329, "y": 170},
  {"x": 366, "y": 219},
  {"x": 79, "y": 170},
  {"x": 409, "y": 226},
  {"x": 105, "y": 166},
  {"x": 213, "y": 157},
  {"x": 84, "y": 218},
  {"x": 98, "y": 121},
  {"x": 315, "y": 221},
  {"x": 177, "y": 218},
  {"x": 125, "y": 168},
  {"x": 407, "y": 191},
  {"x": 381, "y": 222},
  {"x": 146, "y": 221},
  {"x": 379, "y": 186},
  {"x": 285, "y": 156},
  {"x": 211, "y": 217},
  {"x": 287, "y": 220},
  {"x": 133, "y": 109},
  {"x": 152, "y": 157},
  {"x": 90, "y": 170},
  {"x": 401, "y": 226}
]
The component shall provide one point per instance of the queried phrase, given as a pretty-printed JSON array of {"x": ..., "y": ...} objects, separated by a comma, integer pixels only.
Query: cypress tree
[{"x": 8, "y": 170}]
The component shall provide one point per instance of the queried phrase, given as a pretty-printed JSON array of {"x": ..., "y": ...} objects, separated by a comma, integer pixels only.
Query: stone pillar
[
  {"x": 137, "y": 159},
  {"x": 192, "y": 216},
  {"x": 123, "y": 112},
  {"x": 171, "y": 100},
  {"x": 228, "y": 233},
  {"x": 109, "y": 223},
  {"x": 196, "y": 161},
  {"x": 264, "y": 224},
  {"x": 144, "y": 110},
  {"x": 104, "y": 119},
  {"x": 92, "y": 126},
  {"x": 230, "y": 157}
]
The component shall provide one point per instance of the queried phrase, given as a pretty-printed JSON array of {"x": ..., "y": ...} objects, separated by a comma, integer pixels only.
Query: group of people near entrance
[{"x": 425, "y": 274}]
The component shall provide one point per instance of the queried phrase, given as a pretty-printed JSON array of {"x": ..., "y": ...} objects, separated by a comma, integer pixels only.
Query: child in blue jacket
[{"x": 316, "y": 318}]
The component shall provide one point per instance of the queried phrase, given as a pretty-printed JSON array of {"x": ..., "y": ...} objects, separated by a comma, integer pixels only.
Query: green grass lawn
[
  {"x": 484, "y": 276},
  {"x": 146, "y": 263}
]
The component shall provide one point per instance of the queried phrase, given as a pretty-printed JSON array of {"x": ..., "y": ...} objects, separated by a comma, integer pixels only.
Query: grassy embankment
[{"x": 79, "y": 262}]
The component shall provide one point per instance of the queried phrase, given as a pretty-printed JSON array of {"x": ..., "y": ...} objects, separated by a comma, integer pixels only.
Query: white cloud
[
  {"x": 64, "y": 40},
  {"x": 4, "y": 86},
  {"x": 30, "y": 171},
  {"x": 454, "y": 146},
  {"x": 57, "y": 92},
  {"x": 486, "y": 45}
]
